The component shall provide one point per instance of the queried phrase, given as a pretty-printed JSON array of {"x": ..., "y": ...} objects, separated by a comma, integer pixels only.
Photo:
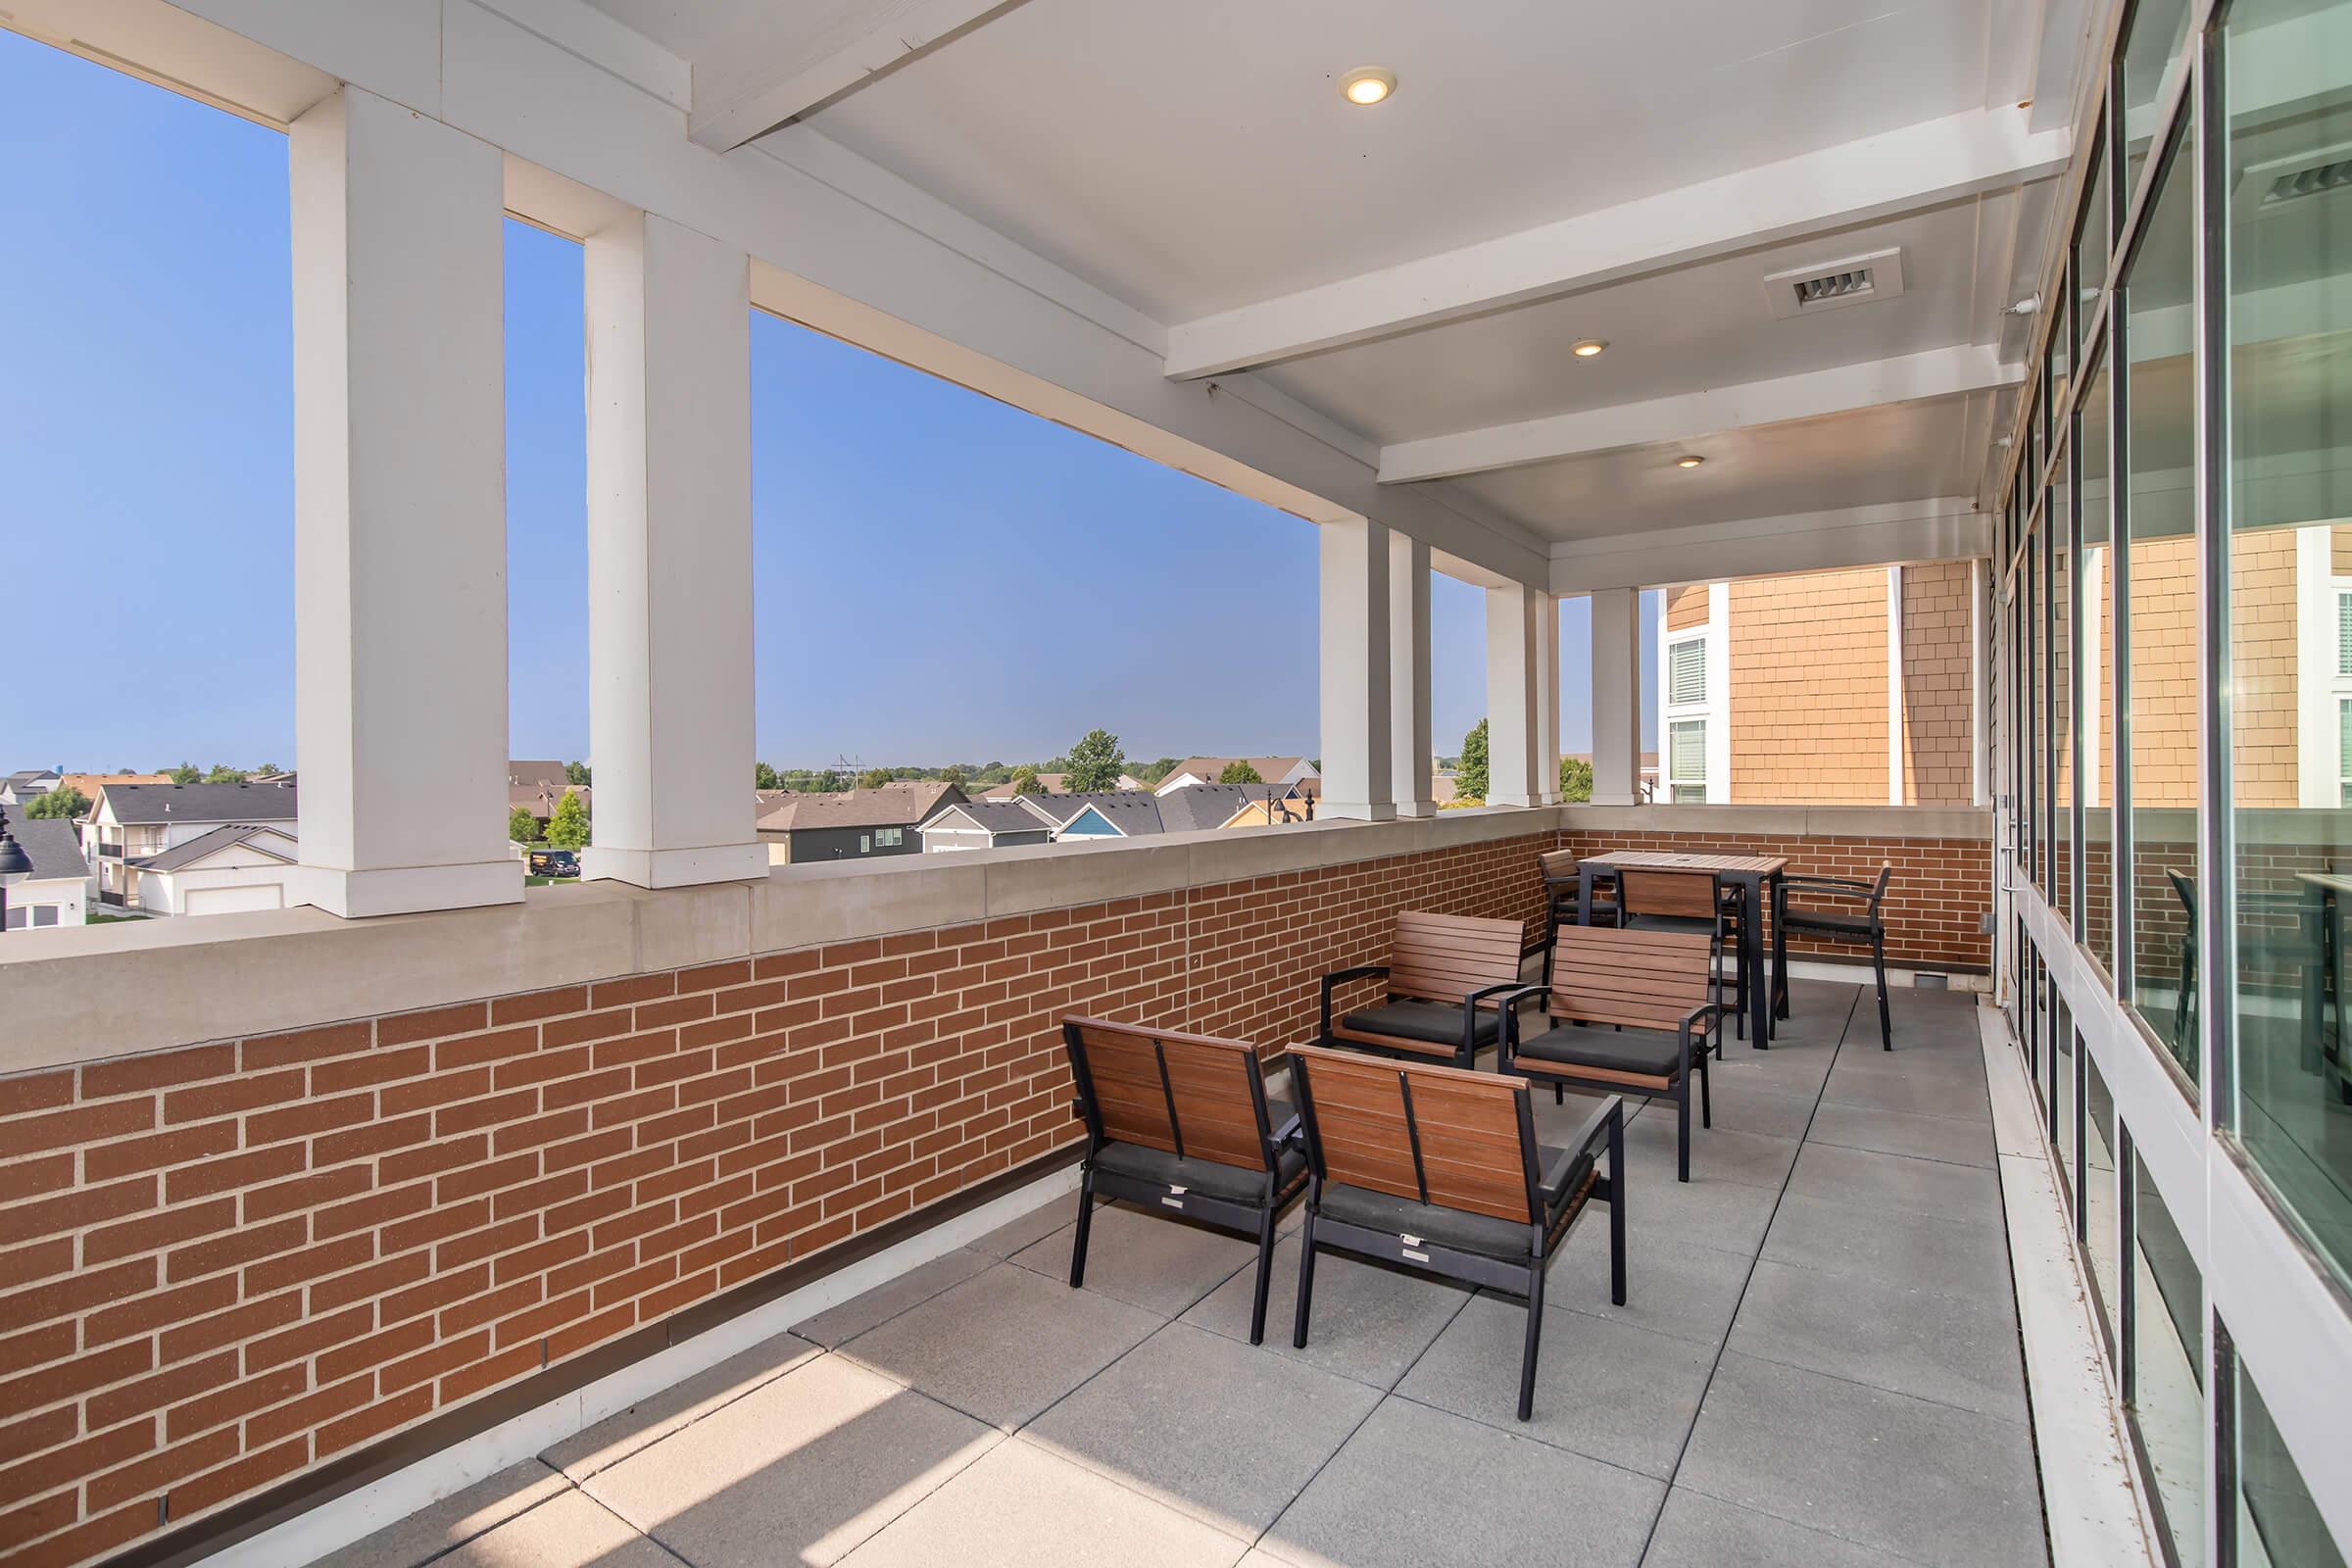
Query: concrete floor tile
[
  {"x": 1943, "y": 1487},
  {"x": 1004, "y": 1344},
  {"x": 1898, "y": 1184},
  {"x": 1671, "y": 1287},
  {"x": 1607, "y": 1391},
  {"x": 1696, "y": 1529},
  {"x": 1043, "y": 1220},
  {"x": 655, "y": 1417},
  {"x": 1023, "y": 1507},
  {"x": 1925, "y": 1095},
  {"x": 428, "y": 1534},
  {"x": 569, "y": 1530},
  {"x": 1960, "y": 1350},
  {"x": 1717, "y": 1154},
  {"x": 1902, "y": 1132},
  {"x": 1948, "y": 1256},
  {"x": 1133, "y": 1255},
  {"x": 1723, "y": 1215},
  {"x": 1207, "y": 1425},
  {"x": 798, "y": 1471},
  {"x": 887, "y": 1300},
  {"x": 1762, "y": 1105},
  {"x": 1419, "y": 1487},
  {"x": 1370, "y": 1322}
]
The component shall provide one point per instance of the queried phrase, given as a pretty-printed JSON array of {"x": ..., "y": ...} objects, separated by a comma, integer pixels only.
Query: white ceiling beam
[
  {"x": 1938, "y": 528},
  {"x": 1691, "y": 415},
  {"x": 779, "y": 67},
  {"x": 1855, "y": 182}
]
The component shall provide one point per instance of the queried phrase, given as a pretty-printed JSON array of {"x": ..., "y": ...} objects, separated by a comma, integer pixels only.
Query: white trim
[
  {"x": 2317, "y": 757},
  {"x": 1089, "y": 810},
  {"x": 1895, "y": 712},
  {"x": 1979, "y": 738},
  {"x": 2092, "y": 695},
  {"x": 336, "y": 1524}
]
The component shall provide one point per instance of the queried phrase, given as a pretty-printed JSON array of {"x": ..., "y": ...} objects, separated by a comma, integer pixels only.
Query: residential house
[
  {"x": 854, "y": 824},
  {"x": 237, "y": 867},
  {"x": 541, "y": 797},
  {"x": 544, "y": 773},
  {"x": 1262, "y": 804},
  {"x": 130, "y": 823},
  {"x": 23, "y": 787},
  {"x": 57, "y": 890},
  {"x": 89, "y": 784},
  {"x": 1053, "y": 783},
  {"x": 986, "y": 824},
  {"x": 1209, "y": 770},
  {"x": 1104, "y": 813}
]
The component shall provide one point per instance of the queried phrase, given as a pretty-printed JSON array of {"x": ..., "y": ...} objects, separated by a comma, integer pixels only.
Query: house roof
[
  {"x": 537, "y": 773},
  {"x": 91, "y": 783},
  {"x": 1005, "y": 791},
  {"x": 1130, "y": 811},
  {"x": 997, "y": 816},
  {"x": 541, "y": 800},
  {"x": 199, "y": 803},
  {"x": 903, "y": 803},
  {"x": 1208, "y": 770},
  {"x": 52, "y": 845},
  {"x": 220, "y": 838},
  {"x": 29, "y": 775}
]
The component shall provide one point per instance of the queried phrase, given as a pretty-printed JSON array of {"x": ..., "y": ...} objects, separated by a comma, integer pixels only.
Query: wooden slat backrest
[
  {"x": 1561, "y": 865},
  {"x": 1366, "y": 1113},
  {"x": 1444, "y": 958},
  {"x": 1689, "y": 894},
  {"x": 1203, "y": 1105},
  {"x": 1647, "y": 979}
]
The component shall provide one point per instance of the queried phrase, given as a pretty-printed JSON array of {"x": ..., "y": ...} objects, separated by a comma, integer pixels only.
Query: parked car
[{"x": 555, "y": 863}]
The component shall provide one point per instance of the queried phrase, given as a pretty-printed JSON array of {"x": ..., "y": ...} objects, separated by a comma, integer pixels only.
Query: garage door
[{"x": 228, "y": 901}]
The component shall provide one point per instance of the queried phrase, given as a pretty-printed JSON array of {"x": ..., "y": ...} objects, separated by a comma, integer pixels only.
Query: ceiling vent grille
[
  {"x": 2284, "y": 182},
  {"x": 1855, "y": 280}
]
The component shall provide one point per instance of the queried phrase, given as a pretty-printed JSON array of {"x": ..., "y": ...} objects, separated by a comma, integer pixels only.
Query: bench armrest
[
  {"x": 1340, "y": 977},
  {"x": 1834, "y": 886},
  {"x": 1508, "y": 1037},
  {"x": 1591, "y": 1137}
]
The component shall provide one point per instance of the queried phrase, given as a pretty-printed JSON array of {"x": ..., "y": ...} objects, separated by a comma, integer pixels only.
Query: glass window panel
[
  {"x": 2065, "y": 1044},
  {"x": 2094, "y": 667},
  {"x": 1686, "y": 678},
  {"x": 1688, "y": 738},
  {"x": 2152, "y": 52},
  {"x": 2056, "y": 357},
  {"x": 2167, "y": 1367},
  {"x": 2160, "y": 626},
  {"x": 2036, "y": 593},
  {"x": 2290, "y": 500},
  {"x": 2091, "y": 253},
  {"x": 2099, "y": 1208},
  {"x": 2278, "y": 1525},
  {"x": 2062, "y": 682}
]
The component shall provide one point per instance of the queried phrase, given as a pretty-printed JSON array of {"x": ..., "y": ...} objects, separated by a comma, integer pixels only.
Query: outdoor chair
[
  {"x": 1662, "y": 990},
  {"x": 1442, "y": 974},
  {"x": 1690, "y": 900},
  {"x": 1561, "y": 875},
  {"x": 1866, "y": 925},
  {"x": 1182, "y": 1124},
  {"x": 1439, "y": 1170},
  {"x": 2277, "y": 933}
]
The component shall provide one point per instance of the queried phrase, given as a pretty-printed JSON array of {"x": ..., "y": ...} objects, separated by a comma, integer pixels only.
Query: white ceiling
[{"x": 1197, "y": 159}]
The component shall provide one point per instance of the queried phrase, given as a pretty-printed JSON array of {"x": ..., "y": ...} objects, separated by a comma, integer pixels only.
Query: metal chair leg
[
  {"x": 1706, "y": 1099},
  {"x": 1535, "y": 1341},
  {"x": 1086, "y": 1216},
  {"x": 1265, "y": 1277},
  {"x": 1306, "y": 1281},
  {"x": 1878, "y": 962},
  {"x": 1682, "y": 1131}
]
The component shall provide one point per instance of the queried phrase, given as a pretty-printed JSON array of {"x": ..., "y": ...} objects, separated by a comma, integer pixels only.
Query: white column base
[
  {"x": 1356, "y": 810},
  {"x": 406, "y": 889},
  {"x": 676, "y": 869},
  {"x": 1416, "y": 808},
  {"x": 1500, "y": 798}
]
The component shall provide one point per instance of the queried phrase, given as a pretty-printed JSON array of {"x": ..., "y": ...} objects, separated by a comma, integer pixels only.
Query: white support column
[
  {"x": 670, "y": 556},
  {"x": 1411, "y": 763},
  {"x": 1547, "y": 699},
  {"x": 1616, "y": 698},
  {"x": 1897, "y": 715},
  {"x": 1514, "y": 642},
  {"x": 400, "y": 546},
  {"x": 1356, "y": 671}
]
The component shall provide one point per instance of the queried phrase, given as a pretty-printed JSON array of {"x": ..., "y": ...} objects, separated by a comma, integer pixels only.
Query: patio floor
[{"x": 1819, "y": 1365}]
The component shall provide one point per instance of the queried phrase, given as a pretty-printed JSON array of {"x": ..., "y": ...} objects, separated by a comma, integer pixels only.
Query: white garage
[{"x": 241, "y": 867}]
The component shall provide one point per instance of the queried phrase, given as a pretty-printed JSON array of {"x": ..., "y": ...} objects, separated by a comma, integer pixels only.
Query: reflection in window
[
  {"x": 2100, "y": 1209},
  {"x": 2035, "y": 590},
  {"x": 2159, "y": 627},
  {"x": 2065, "y": 1046},
  {"x": 2095, "y": 668},
  {"x": 2290, "y": 500},
  {"x": 2062, "y": 683},
  {"x": 2166, "y": 1373},
  {"x": 2276, "y": 1524},
  {"x": 2091, "y": 254},
  {"x": 2153, "y": 53}
]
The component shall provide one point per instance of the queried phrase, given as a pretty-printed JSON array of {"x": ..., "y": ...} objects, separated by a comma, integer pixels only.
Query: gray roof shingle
[
  {"x": 51, "y": 844},
  {"x": 200, "y": 803}
]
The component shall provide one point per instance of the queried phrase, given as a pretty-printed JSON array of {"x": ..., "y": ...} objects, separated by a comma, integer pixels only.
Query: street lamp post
[{"x": 14, "y": 863}]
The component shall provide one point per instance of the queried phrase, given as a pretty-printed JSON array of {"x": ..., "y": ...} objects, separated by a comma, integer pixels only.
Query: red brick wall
[
  {"x": 226, "y": 1263},
  {"x": 1939, "y": 890}
]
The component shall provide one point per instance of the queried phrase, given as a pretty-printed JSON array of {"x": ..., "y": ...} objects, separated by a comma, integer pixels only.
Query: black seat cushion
[
  {"x": 1438, "y": 1022},
  {"x": 1828, "y": 922},
  {"x": 1456, "y": 1228},
  {"x": 1204, "y": 1176},
  {"x": 1674, "y": 922},
  {"x": 1642, "y": 1051}
]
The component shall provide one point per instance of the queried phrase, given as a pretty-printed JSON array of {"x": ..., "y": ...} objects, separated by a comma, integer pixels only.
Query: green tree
[
  {"x": 1576, "y": 780},
  {"x": 1095, "y": 764},
  {"x": 567, "y": 829},
  {"x": 1470, "y": 778},
  {"x": 1239, "y": 771},
  {"x": 1026, "y": 781},
  {"x": 268, "y": 767},
  {"x": 65, "y": 801},
  {"x": 222, "y": 774},
  {"x": 763, "y": 777},
  {"x": 873, "y": 778},
  {"x": 955, "y": 773},
  {"x": 521, "y": 826},
  {"x": 185, "y": 774},
  {"x": 576, "y": 774}
]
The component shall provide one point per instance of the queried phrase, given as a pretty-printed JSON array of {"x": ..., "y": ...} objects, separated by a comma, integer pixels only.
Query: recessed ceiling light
[
  {"x": 1590, "y": 348},
  {"x": 1367, "y": 85},
  {"x": 1689, "y": 462}
]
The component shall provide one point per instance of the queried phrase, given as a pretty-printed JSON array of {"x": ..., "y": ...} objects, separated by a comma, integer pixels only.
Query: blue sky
[{"x": 938, "y": 576}]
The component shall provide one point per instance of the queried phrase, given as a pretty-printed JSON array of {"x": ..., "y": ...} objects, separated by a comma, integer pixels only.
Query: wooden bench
[
  {"x": 1182, "y": 1125},
  {"x": 1444, "y": 973},
  {"x": 1663, "y": 993},
  {"x": 1438, "y": 1169}
]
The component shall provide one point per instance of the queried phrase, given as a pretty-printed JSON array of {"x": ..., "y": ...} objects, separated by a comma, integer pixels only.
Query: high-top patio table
[{"x": 1753, "y": 873}]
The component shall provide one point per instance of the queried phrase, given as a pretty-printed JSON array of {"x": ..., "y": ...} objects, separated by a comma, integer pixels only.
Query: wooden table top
[{"x": 1667, "y": 860}]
